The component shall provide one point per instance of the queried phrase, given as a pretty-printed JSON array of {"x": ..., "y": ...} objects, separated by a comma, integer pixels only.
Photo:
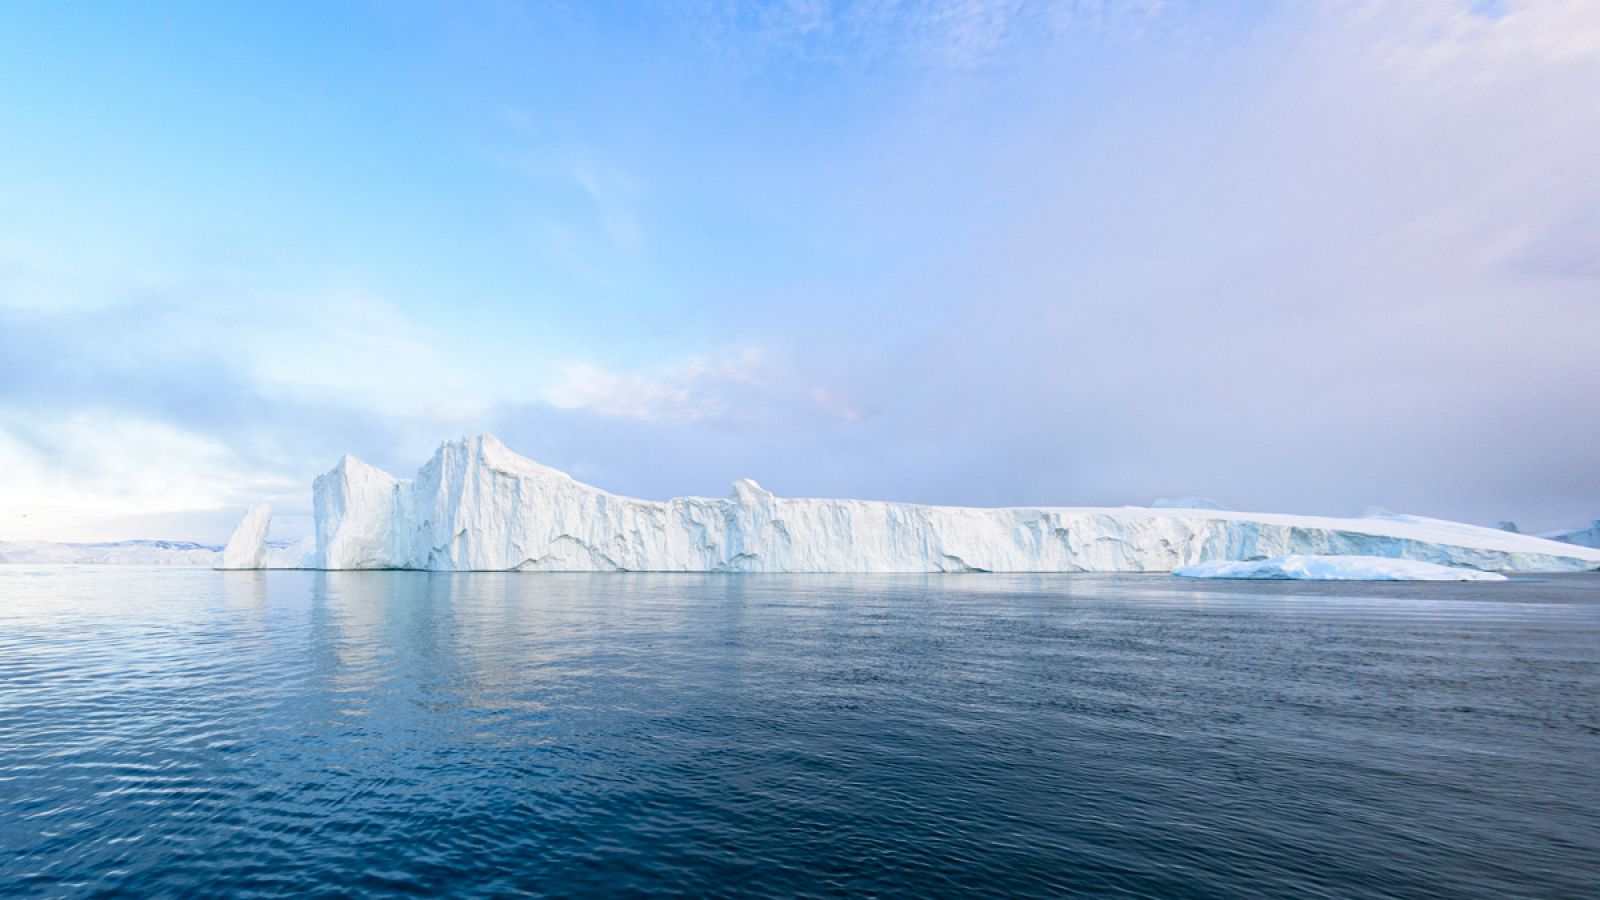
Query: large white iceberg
[
  {"x": 1334, "y": 568},
  {"x": 478, "y": 506}
]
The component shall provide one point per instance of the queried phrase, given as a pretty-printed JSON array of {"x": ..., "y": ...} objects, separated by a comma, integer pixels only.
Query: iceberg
[
  {"x": 247, "y": 547},
  {"x": 1334, "y": 568},
  {"x": 476, "y": 505},
  {"x": 1588, "y": 536}
]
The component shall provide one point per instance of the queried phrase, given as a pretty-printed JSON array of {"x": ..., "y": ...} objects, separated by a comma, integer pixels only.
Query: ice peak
[
  {"x": 349, "y": 464},
  {"x": 496, "y": 455},
  {"x": 247, "y": 546},
  {"x": 746, "y": 491}
]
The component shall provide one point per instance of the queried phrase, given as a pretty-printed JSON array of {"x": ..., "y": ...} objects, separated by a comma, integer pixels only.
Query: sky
[{"x": 1298, "y": 257}]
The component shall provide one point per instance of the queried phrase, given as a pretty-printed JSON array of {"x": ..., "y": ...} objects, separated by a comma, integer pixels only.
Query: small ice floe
[{"x": 1334, "y": 568}]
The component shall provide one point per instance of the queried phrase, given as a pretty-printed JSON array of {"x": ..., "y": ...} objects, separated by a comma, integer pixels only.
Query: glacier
[
  {"x": 476, "y": 505},
  {"x": 1334, "y": 568}
]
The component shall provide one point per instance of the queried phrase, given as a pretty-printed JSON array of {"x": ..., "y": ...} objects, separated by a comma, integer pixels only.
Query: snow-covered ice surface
[
  {"x": 1334, "y": 568},
  {"x": 478, "y": 506},
  {"x": 133, "y": 553},
  {"x": 1588, "y": 536}
]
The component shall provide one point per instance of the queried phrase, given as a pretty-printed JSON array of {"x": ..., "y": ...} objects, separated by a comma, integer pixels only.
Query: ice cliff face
[
  {"x": 478, "y": 506},
  {"x": 358, "y": 511}
]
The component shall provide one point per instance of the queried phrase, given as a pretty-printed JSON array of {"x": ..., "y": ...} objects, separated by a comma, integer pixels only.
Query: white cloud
[
  {"x": 1357, "y": 248},
  {"x": 80, "y": 476},
  {"x": 748, "y": 386}
]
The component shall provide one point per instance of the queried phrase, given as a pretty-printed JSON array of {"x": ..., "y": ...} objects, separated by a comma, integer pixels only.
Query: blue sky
[{"x": 1302, "y": 257}]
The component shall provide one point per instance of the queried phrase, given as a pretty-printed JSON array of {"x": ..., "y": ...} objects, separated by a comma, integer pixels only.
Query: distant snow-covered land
[
  {"x": 139, "y": 553},
  {"x": 135, "y": 553},
  {"x": 478, "y": 506}
]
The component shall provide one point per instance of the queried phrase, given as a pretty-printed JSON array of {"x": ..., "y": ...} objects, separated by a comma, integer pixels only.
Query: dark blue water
[{"x": 191, "y": 732}]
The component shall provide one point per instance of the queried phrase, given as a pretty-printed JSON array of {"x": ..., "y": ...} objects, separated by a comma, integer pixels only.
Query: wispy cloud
[
  {"x": 551, "y": 162},
  {"x": 956, "y": 34}
]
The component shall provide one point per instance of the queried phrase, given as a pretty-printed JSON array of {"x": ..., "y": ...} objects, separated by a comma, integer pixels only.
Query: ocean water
[{"x": 187, "y": 732}]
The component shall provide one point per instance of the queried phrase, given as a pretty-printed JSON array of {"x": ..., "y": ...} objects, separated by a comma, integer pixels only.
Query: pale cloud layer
[{"x": 1345, "y": 255}]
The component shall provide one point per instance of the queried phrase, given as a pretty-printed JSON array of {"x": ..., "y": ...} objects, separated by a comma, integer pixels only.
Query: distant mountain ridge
[{"x": 138, "y": 552}]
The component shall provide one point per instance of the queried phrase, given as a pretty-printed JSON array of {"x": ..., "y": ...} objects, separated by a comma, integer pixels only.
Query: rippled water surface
[{"x": 188, "y": 731}]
